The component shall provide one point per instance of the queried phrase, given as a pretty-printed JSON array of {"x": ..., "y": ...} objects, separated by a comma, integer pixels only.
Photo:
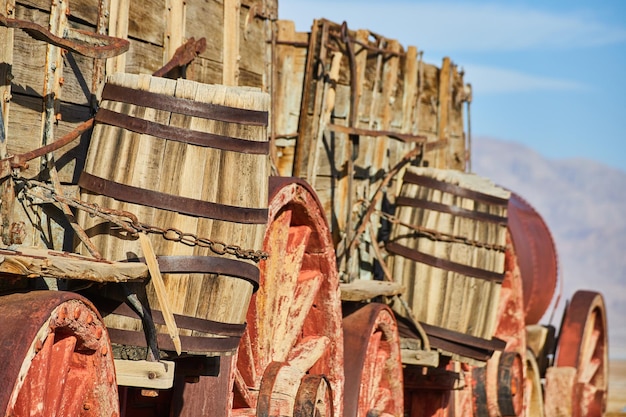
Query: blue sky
[{"x": 551, "y": 75}]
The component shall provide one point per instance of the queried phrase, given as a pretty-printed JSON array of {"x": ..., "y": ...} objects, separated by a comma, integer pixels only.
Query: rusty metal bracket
[
  {"x": 184, "y": 55},
  {"x": 20, "y": 160},
  {"x": 93, "y": 45}
]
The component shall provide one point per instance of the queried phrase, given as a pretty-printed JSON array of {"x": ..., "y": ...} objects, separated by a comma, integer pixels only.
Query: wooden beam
[
  {"x": 36, "y": 263},
  {"x": 230, "y": 51},
  {"x": 144, "y": 374}
]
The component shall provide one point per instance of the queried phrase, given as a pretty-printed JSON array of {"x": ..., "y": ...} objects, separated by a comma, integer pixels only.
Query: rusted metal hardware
[
  {"x": 440, "y": 236},
  {"x": 454, "y": 342},
  {"x": 93, "y": 45},
  {"x": 129, "y": 222},
  {"x": 7, "y": 165},
  {"x": 184, "y": 106},
  {"x": 404, "y": 137},
  {"x": 185, "y": 205},
  {"x": 314, "y": 397},
  {"x": 183, "y": 56},
  {"x": 510, "y": 384},
  {"x": 179, "y": 134},
  {"x": 498, "y": 388},
  {"x": 444, "y": 264},
  {"x": 387, "y": 53},
  {"x": 413, "y": 178},
  {"x": 52, "y": 336}
]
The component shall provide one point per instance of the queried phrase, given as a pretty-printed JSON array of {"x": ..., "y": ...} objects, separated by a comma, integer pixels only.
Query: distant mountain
[{"x": 584, "y": 204}]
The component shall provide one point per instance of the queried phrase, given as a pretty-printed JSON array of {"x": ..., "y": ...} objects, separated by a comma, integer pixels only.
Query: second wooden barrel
[{"x": 447, "y": 248}]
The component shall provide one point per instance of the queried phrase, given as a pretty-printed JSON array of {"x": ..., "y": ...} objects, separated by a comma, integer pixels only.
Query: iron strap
[
  {"x": 192, "y": 344},
  {"x": 412, "y": 178},
  {"x": 180, "y": 134},
  {"x": 184, "y": 106},
  {"x": 444, "y": 264},
  {"x": 210, "y": 264},
  {"x": 454, "y": 210},
  {"x": 187, "y": 322},
  {"x": 185, "y": 205}
]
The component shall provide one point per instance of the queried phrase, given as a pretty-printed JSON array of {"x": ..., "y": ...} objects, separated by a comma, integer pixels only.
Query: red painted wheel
[
  {"x": 373, "y": 363},
  {"x": 57, "y": 356},
  {"x": 294, "y": 319},
  {"x": 583, "y": 346}
]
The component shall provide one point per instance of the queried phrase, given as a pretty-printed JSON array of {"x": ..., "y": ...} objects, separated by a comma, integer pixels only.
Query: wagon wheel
[
  {"x": 373, "y": 364},
  {"x": 583, "y": 346},
  {"x": 57, "y": 357},
  {"x": 294, "y": 319}
]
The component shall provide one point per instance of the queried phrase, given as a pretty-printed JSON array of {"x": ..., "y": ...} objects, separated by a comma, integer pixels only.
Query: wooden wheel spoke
[
  {"x": 292, "y": 303},
  {"x": 247, "y": 371},
  {"x": 291, "y": 328},
  {"x": 588, "y": 354},
  {"x": 381, "y": 399},
  {"x": 589, "y": 371},
  {"x": 268, "y": 296},
  {"x": 304, "y": 355}
]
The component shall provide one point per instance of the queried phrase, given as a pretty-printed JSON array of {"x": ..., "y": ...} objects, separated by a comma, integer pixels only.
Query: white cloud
[
  {"x": 490, "y": 80},
  {"x": 453, "y": 26}
]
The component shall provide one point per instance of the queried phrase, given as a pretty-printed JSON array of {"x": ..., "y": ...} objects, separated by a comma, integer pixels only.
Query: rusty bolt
[
  {"x": 63, "y": 313},
  {"x": 17, "y": 233},
  {"x": 104, "y": 350},
  {"x": 77, "y": 312},
  {"x": 86, "y": 406},
  {"x": 89, "y": 319},
  {"x": 110, "y": 378},
  {"x": 152, "y": 375},
  {"x": 98, "y": 333},
  {"x": 38, "y": 345}
]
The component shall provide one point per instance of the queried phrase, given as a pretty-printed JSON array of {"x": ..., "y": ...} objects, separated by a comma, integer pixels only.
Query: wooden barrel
[
  {"x": 447, "y": 248},
  {"x": 190, "y": 159}
]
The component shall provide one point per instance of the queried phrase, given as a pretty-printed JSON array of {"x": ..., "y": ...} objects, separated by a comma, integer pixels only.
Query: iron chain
[
  {"x": 441, "y": 237},
  {"x": 129, "y": 222}
]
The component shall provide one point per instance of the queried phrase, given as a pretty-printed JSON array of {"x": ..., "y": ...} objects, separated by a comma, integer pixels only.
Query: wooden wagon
[{"x": 207, "y": 213}]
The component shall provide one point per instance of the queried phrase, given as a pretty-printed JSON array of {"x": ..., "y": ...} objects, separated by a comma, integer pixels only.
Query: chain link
[
  {"x": 129, "y": 222},
  {"x": 439, "y": 236}
]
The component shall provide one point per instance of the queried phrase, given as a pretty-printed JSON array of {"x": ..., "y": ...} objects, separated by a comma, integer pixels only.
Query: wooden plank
[
  {"x": 230, "y": 48},
  {"x": 175, "y": 18},
  {"x": 147, "y": 21},
  {"x": 119, "y": 13},
  {"x": 144, "y": 374},
  {"x": 35, "y": 263},
  {"x": 362, "y": 290}
]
